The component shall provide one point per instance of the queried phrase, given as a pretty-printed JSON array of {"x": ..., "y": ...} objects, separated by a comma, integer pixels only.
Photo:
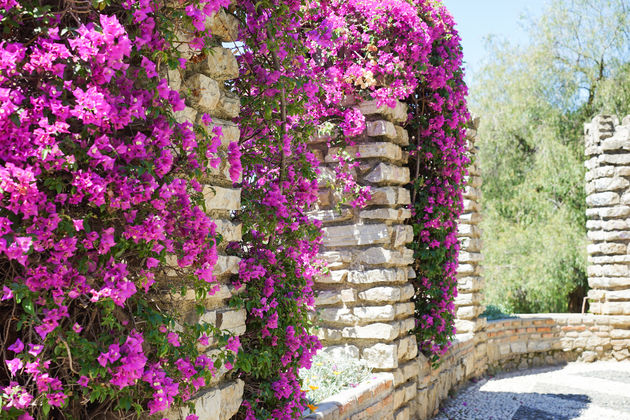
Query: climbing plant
[{"x": 98, "y": 187}]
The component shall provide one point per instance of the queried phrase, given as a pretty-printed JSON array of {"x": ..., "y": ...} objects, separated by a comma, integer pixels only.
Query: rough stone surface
[{"x": 607, "y": 184}]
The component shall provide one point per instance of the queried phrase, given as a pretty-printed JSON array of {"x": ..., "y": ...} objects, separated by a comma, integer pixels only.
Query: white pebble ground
[{"x": 584, "y": 391}]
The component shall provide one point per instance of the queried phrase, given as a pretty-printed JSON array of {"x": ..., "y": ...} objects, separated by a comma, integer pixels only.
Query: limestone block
[
  {"x": 609, "y": 259},
  {"x": 472, "y": 218},
  {"x": 381, "y": 129},
  {"x": 609, "y": 282},
  {"x": 469, "y": 284},
  {"x": 353, "y": 235},
  {"x": 592, "y": 163},
  {"x": 397, "y": 215},
  {"x": 208, "y": 405},
  {"x": 204, "y": 92},
  {"x": 615, "y": 308},
  {"x": 407, "y": 325},
  {"x": 470, "y": 244},
  {"x": 600, "y": 235},
  {"x": 220, "y": 64},
  {"x": 601, "y": 172},
  {"x": 228, "y": 106},
  {"x": 388, "y": 174},
  {"x": 232, "y": 320},
  {"x": 231, "y": 132},
  {"x": 335, "y": 276},
  {"x": 338, "y": 315},
  {"x": 407, "y": 348},
  {"x": 402, "y": 235},
  {"x": 381, "y": 356},
  {"x": 471, "y": 192},
  {"x": 332, "y": 257},
  {"x": 345, "y": 351},
  {"x": 404, "y": 309},
  {"x": 326, "y": 177},
  {"x": 226, "y": 265},
  {"x": 378, "y": 331},
  {"x": 607, "y": 184},
  {"x": 470, "y": 257},
  {"x": 327, "y": 297},
  {"x": 218, "y": 198},
  {"x": 467, "y": 298},
  {"x": 609, "y": 270},
  {"x": 174, "y": 78},
  {"x": 467, "y": 269},
  {"x": 619, "y": 334},
  {"x": 348, "y": 295},
  {"x": 377, "y": 256},
  {"x": 231, "y": 399},
  {"x": 622, "y": 159},
  {"x": 466, "y": 312},
  {"x": 397, "y": 114},
  {"x": 230, "y": 231},
  {"x": 392, "y": 196},
  {"x": 187, "y": 114},
  {"x": 609, "y": 212},
  {"x": 619, "y": 141},
  {"x": 375, "y": 313},
  {"x": 381, "y": 294},
  {"x": 377, "y": 276},
  {"x": 466, "y": 230},
  {"x": 623, "y": 295},
  {"x": 402, "y": 136},
  {"x": 602, "y": 199},
  {"x": 471, "y": 205},
  {"x": 327, "y": 216},
  {"x": 223, "y": 25}
]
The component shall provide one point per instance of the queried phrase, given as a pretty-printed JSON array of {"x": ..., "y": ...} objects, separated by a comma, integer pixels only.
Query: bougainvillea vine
[{"x": 99, "y": 188}]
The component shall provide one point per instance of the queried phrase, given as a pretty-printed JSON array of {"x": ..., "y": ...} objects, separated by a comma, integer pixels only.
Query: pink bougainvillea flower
[
  {"x": 14, "y": 365},
  {"x": 16, "y": 347},
  {"x": 83, "y": 381}
]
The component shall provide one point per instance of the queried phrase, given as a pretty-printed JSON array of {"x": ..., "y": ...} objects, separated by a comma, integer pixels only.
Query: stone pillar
[
  {"x": 365, "y": 300},
  {"x": 202, "y": 84},
  {"x": 468, "y": 304},
  {"x": 608, "y": 214}
]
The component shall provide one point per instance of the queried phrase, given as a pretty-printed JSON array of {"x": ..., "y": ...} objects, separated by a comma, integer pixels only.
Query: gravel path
[{"x": 585, "y": 391}]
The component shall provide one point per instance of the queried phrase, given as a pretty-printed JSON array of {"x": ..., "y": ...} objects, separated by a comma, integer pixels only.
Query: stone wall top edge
[{"x": 349, "y": 397}]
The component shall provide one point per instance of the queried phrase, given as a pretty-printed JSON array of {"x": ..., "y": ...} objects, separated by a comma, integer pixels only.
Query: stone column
[
  {"x": 365, "y": 300},
  {"x": 202, "y": 84},
  {"x": 608, "y": 214},
  {"x": 468, "y": 304}
]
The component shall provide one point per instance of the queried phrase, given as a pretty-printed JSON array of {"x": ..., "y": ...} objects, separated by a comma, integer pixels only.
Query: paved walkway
[{"x": 585, "y": 391}]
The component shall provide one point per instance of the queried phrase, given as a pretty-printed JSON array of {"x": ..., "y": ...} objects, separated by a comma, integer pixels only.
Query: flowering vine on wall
[
  {"x": 99, "y": 188},
  {"x": 95, "y": 196},
  {"x": 305, "y": 67}
]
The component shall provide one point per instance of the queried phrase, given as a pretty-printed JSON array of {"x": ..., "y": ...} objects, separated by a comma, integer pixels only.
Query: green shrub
[{"x": 330, "y": 375}]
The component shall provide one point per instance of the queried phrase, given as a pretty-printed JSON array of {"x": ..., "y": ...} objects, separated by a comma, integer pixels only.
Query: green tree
[{"x": 533, "y": 103}]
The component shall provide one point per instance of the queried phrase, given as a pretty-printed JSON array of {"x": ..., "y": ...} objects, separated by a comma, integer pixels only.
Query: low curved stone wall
[{"x": 516, "y": 343}]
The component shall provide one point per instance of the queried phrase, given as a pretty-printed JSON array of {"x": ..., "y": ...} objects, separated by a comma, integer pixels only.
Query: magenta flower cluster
[
  {"x": 305, "y": 67},
  {"x": 94, "y": 197},
  {"x": 100, "y": 198}
]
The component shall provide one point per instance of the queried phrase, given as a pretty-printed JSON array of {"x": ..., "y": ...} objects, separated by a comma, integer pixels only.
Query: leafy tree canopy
[{"x": 533, "y": 102}]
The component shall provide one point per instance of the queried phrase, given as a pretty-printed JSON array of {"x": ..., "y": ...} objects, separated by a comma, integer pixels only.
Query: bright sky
[{"x": 477, "y": 19}]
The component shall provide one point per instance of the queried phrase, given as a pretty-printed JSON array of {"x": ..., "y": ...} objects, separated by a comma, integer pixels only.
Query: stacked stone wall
[
  {"x": 468, "y": 304},
  {"x": 364, "y": 302},
  {"x": 608, "y": 213},
  {"x": 203, "y": 85},
  {"x": 522, "y": 342}
]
